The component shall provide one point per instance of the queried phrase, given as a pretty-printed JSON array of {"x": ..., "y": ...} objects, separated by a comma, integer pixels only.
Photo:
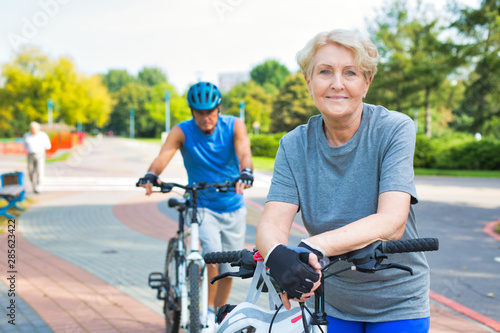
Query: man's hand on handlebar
[
  {"x": 148, "y": 181},
  {"x": 244, "y": 181}
]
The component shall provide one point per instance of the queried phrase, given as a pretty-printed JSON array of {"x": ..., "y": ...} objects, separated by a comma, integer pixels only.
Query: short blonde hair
[{"x": 365, "y": 52}]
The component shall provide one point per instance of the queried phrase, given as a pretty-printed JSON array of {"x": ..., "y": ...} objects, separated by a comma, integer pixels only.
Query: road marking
[
  {"x": 497, "y": 259},
  {"x": 56, "y": 184}
]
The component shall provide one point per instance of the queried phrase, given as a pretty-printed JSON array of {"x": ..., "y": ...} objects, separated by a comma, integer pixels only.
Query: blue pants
[{"x": 399, "y": 326}]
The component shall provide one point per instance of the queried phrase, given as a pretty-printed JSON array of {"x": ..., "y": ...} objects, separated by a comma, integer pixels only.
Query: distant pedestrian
[{"x": 36, "y": 143}]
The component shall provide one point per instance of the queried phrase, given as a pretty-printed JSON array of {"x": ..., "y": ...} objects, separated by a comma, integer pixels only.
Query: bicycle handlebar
[
  {"x": 223, "y": 257},
  {"x": 410, "y": 245},
  {"x": 400, "y": 246},
  {"x": 167, "y": 187}
]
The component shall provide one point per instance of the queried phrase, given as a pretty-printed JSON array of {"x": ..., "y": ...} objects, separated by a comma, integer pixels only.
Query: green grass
[
  {"x": 458, "y": 173},
  {"x": 263, "y": 163},
  {"x": 62, "y": 157},
  {"x": 151, "y": 140}
]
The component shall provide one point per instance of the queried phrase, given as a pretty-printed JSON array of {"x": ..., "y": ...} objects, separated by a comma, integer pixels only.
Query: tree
[
  {"x": 152, "y": 76},
  {"x": 270, "y": 72},
  {"x": 33, "y": 78},
  {"x": 481, "y": 29},
  {"x": 115, "y": 79},
  {"x": 179, "y": 109},
  {"x": 415, "y": 61},
  {"x": 293, "y": 106},
  {"x": 258, "y": 104}
]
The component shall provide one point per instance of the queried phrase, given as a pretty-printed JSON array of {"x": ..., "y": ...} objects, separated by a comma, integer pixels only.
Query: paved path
[{"x": 86, "y": 245}]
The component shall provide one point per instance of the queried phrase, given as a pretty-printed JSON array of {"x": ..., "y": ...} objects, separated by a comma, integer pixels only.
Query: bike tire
[
  {"x": 194, "y": 297},
  {"x": 172, "y": 303}
]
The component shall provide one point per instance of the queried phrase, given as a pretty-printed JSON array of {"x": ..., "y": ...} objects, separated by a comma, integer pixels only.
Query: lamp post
[
  {"x": 242, "y": 111},
  {"x": 50, "y": 104},
  {"x": 132, "y": 124},
  {"x": 167, "y": 111}
]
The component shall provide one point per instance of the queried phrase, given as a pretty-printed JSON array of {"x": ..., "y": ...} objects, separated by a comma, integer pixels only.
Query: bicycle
[
  {"x": 249, "y": 318},
  {"x": 185, "y": 274}
]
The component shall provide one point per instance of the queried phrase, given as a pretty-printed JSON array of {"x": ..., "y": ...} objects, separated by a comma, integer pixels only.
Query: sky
[{"x": 188, "y": 39}]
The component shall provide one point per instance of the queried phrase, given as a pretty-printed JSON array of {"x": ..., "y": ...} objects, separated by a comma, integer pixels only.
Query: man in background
[{"x": 36, "y": 142}]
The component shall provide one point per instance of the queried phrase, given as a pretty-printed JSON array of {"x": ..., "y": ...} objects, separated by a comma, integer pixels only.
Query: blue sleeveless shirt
[{"x": 212, "y": 158}]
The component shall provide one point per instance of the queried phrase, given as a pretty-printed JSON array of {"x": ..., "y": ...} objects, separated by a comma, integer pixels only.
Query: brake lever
[
  {"x": 373, "y": 263},
  {"x": 243, "y": 273}
]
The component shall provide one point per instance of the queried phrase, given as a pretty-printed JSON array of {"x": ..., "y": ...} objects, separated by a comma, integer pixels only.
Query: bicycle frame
[
  {"x": 185, "y": 261},
  {"x": 193, "y": 255}
]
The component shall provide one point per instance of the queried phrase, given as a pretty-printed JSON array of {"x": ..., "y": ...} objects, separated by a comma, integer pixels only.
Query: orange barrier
[
  {"x": 12, "y": 146},
  {"x": 58, "y": 141}
]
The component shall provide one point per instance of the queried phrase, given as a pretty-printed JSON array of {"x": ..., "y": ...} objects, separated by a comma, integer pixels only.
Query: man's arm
[
  {"x": 48, "y": 145},
  {"x": 175, "y": 141},
  {"x": 242, "y": 148}
]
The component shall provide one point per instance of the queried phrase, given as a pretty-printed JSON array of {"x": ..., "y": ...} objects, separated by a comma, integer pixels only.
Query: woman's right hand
[
  {"x": 314, "y": 263},
  {"x": 296, "y": 270}
]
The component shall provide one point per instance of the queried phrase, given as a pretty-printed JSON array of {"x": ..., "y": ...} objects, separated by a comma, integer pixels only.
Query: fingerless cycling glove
[
  {"x": 149, "y": 178},
  {"x": 289, "y": 267},
  {"x": 246, "y": 177}
]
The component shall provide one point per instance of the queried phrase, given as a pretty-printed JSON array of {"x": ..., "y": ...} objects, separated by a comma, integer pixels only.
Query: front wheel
[
  {"x": 172, "y": 304},
  {"x": 194, "y": 297}
]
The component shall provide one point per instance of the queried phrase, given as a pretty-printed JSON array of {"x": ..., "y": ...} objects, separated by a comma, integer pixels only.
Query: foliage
[
  {"x": 265, "y": 145},
  {"x": 270, "y": 72},
  {"x": 475, "y": 155},
  {"x": 480, "y": 108},
  {"x": 145, "y": 95},
  {"x": 116, "y": 79},
  {"x": 457, "y": 151},
  {"x": 415, "y": 61},
  {"x": 33, "y": 78},
  {"x": 151, "y": 76},
  {"x": 293, "y": 106},
  {"x": 257, "y": 104}
]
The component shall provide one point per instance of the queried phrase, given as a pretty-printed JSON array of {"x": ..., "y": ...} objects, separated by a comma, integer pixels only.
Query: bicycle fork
[{"x": 195, "y": 256}]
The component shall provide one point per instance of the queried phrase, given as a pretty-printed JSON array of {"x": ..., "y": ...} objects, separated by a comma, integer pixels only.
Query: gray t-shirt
[{"x": 335, "y": 186}]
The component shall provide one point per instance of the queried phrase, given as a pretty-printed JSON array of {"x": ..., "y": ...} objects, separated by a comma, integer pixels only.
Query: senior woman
[{"x": 349, "y": 171}]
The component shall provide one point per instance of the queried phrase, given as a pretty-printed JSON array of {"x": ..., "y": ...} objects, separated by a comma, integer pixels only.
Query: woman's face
[{"x": 336, "y": 84}]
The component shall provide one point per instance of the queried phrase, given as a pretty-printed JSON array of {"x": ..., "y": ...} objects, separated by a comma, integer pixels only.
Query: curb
[
  {"x": 476, "y": 316},
  {"x": 489, "y": 229}
]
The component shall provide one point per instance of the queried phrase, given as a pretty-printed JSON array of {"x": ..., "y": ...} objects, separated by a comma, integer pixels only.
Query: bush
[
  {"x": 476, "y": 155},
  {"x": 265, "y": 144},
  {"x": 424, "y": 153},
  {"x": 457, "y": 151}
]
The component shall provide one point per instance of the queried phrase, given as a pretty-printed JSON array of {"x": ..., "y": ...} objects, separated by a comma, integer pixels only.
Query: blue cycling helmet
[{"x": 204, "y": 96}]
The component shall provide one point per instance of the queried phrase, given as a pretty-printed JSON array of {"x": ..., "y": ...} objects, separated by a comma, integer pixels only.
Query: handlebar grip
[
  {"x": 222, "y": 257},
  {"x": 411, "y": 245}
]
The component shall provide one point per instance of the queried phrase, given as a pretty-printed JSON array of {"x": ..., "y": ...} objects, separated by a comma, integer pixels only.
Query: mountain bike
[
  {"x": 247, "y": 317},
  {"x": 183, "y": 285}
]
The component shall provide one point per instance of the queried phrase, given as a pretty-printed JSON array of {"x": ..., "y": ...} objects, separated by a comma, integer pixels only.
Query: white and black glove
[
  {"x": 149, "y": 178},
  {"x": 246, "y": 177},
  {"x": 289, "y": 267}
]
